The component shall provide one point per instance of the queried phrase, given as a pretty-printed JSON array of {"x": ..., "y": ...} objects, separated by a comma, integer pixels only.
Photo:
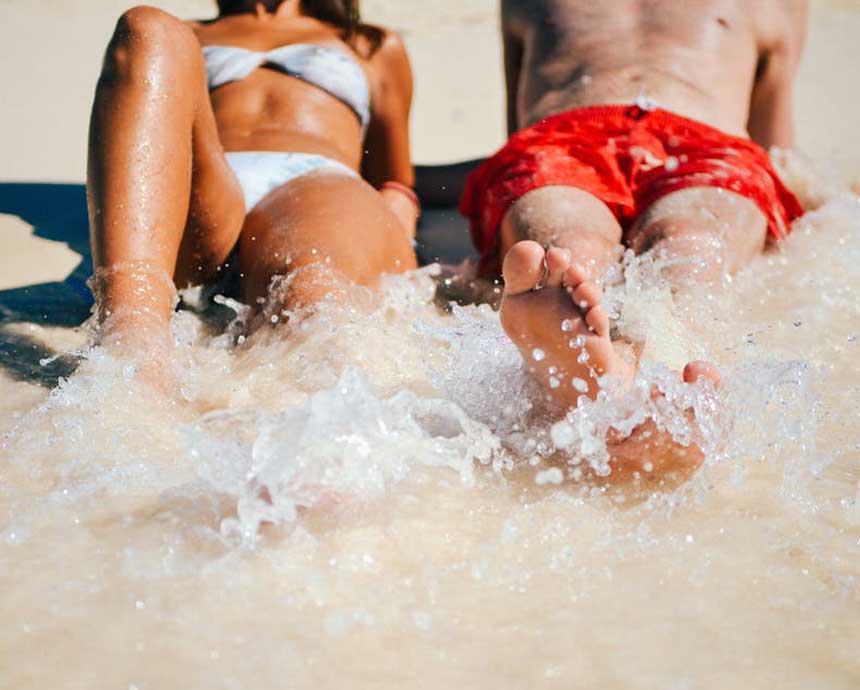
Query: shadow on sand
[{"x": 57, "y": 212}]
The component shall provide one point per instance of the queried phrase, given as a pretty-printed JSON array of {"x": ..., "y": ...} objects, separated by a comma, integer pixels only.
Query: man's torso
[{"x": 698, "y": 58}]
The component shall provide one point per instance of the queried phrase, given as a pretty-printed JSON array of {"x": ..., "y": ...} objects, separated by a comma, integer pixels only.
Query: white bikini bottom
[{"x": 260, "y": 172}]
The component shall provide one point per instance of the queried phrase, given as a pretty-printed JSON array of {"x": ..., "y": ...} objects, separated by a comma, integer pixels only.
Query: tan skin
[
  {"x": 166, "y": 208},
  {"x": 726, "y": 63}
]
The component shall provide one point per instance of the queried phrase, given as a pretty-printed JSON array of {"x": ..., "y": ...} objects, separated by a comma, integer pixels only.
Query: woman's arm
[{"x": 387, "y": 154}]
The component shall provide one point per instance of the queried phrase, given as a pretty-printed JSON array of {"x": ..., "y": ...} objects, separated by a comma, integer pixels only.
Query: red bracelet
[{"x": 407, "y": 191}]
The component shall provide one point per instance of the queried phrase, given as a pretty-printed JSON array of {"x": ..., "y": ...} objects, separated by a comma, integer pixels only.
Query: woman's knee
[{"x": 145, "y": 37}]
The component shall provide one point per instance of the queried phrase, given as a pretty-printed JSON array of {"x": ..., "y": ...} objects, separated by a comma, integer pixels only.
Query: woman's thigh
[
  {"x": 216, "y": 210},
  {"x": 334, "y": 227}
]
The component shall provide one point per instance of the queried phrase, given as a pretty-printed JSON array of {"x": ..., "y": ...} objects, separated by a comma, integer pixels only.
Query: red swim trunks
[{"x": 627, "y": 157}]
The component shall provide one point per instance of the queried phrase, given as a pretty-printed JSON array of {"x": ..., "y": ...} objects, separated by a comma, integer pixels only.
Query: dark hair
[
  {"x": 346, "y": 15},
  {"x": 240, "y": 6}
]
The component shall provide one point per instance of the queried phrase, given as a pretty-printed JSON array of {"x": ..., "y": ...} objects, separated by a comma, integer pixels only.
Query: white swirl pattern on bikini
[{"x": 330, "y": 69}]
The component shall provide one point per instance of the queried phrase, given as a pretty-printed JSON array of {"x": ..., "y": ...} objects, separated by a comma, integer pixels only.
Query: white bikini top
[{"x": 330, "y": 69}]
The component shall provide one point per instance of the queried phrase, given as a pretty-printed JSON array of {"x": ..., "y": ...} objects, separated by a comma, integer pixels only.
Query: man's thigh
[{"x": 715, "y": 223}]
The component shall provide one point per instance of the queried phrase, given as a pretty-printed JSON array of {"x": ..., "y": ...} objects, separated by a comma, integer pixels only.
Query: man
[
  {"x": 641, "y": 123},
  {"x": 631, "y": 123}
]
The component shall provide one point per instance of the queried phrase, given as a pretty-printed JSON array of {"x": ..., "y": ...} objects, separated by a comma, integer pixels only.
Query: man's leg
[
  {"x": 551, "y": 305},
  {"x": 703, "y": 233},
  {"x": 551, "y": 310},
  {"x": 651, "y": 455},
  {"x": 567, "y": 218}
]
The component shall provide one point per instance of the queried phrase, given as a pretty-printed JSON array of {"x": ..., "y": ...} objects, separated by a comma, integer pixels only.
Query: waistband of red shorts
[{"x": 632, "y": 113}]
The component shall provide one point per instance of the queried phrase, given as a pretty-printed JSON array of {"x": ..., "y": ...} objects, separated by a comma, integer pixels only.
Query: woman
[{"x": 249, "y": 132}]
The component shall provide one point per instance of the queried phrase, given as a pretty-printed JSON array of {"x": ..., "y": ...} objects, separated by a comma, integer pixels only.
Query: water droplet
[
  {"x": 579, "y": 384},
  {"x": 562, "y": 434},
  {"x": 577, "y": 342},
  {"x": 554, "y": 382},
  {"x": 422, "y": 620},
  {"x": 567, "y": 325},
  {"x": 551, "y": 476},
  {"x": 538, "y": 355}
]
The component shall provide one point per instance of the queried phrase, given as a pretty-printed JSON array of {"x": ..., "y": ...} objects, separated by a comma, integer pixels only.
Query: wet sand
[{"x": 427, "y": 557}]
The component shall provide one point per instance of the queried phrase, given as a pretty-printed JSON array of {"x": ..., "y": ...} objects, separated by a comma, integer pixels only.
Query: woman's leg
[
  {"x": 164, "y": 204},
  {"x": 334, "y": 227}
]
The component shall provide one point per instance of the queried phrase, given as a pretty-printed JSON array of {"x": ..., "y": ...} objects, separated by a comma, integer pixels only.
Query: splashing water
[
  {"x": 357, "y": 476},
  {"x": 341, "y": 441}
]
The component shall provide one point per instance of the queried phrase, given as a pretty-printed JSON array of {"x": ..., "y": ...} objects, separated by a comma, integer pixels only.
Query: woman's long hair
[{"x": 344, "y": 14}]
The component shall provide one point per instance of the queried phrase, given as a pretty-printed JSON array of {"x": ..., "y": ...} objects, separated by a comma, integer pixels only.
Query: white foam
[{"x": 416, "y": 494}]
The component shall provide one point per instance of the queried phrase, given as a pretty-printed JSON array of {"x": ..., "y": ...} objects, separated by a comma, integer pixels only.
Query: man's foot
[
  {"x": 651, "y": 455},
  {"x": 553, "y": 314},
  {"x": 702, "y": 370}
]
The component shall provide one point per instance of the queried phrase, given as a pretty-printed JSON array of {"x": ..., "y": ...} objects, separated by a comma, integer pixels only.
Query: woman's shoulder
[
  {"x": 209, "y": 30},
  {"x": 379, "y": 45},
  {"x": 387, "y": 66},
  {"x": 198, "y": 26}
]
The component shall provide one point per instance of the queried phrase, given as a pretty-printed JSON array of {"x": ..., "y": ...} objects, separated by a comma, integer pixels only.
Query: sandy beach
[{"x": 424, "y": 539}]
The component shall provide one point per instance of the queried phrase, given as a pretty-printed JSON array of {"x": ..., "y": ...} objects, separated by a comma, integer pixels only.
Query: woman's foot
[{"x": 554, "y": 315}]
